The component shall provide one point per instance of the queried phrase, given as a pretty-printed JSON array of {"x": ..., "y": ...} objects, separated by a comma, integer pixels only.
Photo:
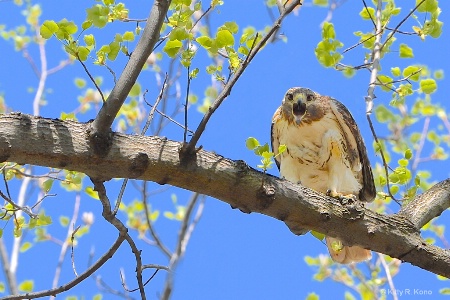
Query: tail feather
[{"x": 346, "y": 254}]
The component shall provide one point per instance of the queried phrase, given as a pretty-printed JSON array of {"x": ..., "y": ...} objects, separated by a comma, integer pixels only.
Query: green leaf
[
  {"x": 261, "y": 149},
  {"x": 47, "y": 185},
  {"x": 395, "y": 71},
  {"x": 89, "y": 40},
  {"x": 25, "y": 246},
  {"x": 412, "y": 70},
  {"x": 427, "y": 6},
  {"x": 251, "y": 143},
  {"x": 83, "y": 53},
  {"x": 312, "y": 296},
  {"x": 205, "y": 41},
  {"x": 64, "y": 221},
  {"x": 408, "y": 154},
  {"x": 80, "y": 82},
  {"x": 224, "y": 38},
  {"x": 367, "y": 13},
  {"x": 405, "y": 51},
  {"x": 98, "y": 15},
  {"x": 26, "y": 286},
  {"x": 383, "y": 114},
  {"x": 135, "y": 90},
  {"x": 128, "y": 36},
  {"x": 428, "y": 86},
  {"x": 328, "y": 31},
  {"x": 86, "y": 24},
  {"x": 386, "y": 82},
  {"x": 445, "y": 291},
  {"x": 178, "y": 33},
  {"x": 282, "y": 148},
  {"x": 232, "y": 27},
  {"x": 172, "y": 47},
  {"x": 318, "y": 235},
  {"x": 90, "y": 192},
  {"x": 48, "y": 28},
  {"x": 114, "y": 48}
]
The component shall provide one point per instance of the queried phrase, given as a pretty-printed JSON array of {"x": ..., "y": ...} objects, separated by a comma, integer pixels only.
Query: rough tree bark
[{"x": 64, "y": 144}]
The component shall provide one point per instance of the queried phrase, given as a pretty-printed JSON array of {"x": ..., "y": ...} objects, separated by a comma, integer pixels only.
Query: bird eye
[
  {"x": 290, "y": 96},
  {"x": 309, "y": 98}
]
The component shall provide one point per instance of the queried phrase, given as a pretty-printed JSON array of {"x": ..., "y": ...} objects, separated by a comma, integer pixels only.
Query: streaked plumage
[{"x": 325, "y": 152}]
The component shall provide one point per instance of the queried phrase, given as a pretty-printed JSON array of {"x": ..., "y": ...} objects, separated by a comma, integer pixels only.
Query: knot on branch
[
  {"x": 139, "y": 164},
  {"x": 354, "y": 209},
  {"x": 187, "y": 155},
  {"x": 100, "y": 142},
  {"x": 5, "y": 149}
]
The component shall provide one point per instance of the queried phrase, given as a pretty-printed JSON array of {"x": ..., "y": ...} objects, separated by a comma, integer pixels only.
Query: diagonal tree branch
[
  {"x": 75, "y": 281},
  {"x": 62, "y": 144},
  {"x": 144, "y": 48},
  {"x": 429, "y": 205}
]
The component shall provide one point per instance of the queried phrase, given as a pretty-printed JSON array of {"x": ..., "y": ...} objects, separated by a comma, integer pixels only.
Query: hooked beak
[{"x": 298, "y": 109}]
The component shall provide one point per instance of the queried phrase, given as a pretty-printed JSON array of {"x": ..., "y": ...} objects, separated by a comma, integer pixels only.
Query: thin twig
[
  {"x": 400, "y": 24},
  {"x": 92, "y": 78},
  {"x": 153, "y": 233},
  {"x": 65, "y": 245},
  {"x": 186, "y": 105},
  {"x": 102, "y": 260},
  {"x": 423, "y": 137},
  {"x": 227, "y": 89},
  {"x": 111, "y": 218},
  {"x": 388, "y": 275}
]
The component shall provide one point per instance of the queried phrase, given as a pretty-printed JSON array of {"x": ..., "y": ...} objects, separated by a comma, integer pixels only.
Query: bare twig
[
  {"x": 400, "y": 24},
  {"x": 10, "y": 277},
  {"x": 102, "y": 260},
  {"x": 65, "y": 245},
  {"x": 153, "y": 233},
  {"x": 423, "y": 137},
  {"x": 227, "y": 89},
  {"x": 111, "y": 218},
  {"x": 388, "y": 276},
  {"x": 91, "y": 78}
]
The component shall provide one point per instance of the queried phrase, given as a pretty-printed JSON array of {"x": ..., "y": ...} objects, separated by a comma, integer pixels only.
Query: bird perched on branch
[{"x": 325, "y": 152}]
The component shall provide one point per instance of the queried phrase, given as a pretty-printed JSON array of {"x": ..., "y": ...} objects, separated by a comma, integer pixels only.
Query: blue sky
[{"x": 231, "y": 255}]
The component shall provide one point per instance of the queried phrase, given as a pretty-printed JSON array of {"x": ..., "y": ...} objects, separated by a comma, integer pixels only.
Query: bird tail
[{"x": 346, "y": 254}]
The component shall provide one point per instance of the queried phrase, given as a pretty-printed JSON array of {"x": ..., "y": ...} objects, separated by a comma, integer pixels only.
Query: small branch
[
  {"x": 11, "y": 281},
  {"x": 102, "y": 260},
  {"x": 123, "y": 230},
  {"x": 189, "y": 148},
  {"x": 400, "y": 24},
  {"x": 376, "y": 54},
  {"x": 116, "y": 98},
  {"x": 91, "y": 78},
  {"x": 144, "y": 130},
  {"x": 42, "y": 75},
  {"x": 428, "y": 205},
  {"x": 153, "y": 233},
  {"x": 388, "y": 276},
  {"x": 186, "y": 105},
  {"x": 423, "y": 137},
  {"x": 65, "y": 245}
]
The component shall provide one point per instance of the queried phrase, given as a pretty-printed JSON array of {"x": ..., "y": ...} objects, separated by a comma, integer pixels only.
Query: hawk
[{"x": 325, "y": 152}]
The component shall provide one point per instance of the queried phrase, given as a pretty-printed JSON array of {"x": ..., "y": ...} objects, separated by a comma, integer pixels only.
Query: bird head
[{"x": 297, "y": 102}]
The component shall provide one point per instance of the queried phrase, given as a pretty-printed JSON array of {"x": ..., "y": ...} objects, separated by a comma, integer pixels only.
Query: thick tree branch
[
  {"x": 63, "y": 144},
  {"x": 144, "y": 48},
  {"x": 429, "y": 205}
]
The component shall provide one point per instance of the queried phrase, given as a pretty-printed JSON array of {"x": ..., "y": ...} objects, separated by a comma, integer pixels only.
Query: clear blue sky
[{"x": 231, "y": 255}]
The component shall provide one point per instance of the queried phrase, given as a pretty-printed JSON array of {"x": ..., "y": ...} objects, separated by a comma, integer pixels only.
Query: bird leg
[{"x": 343, "y": 199}]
